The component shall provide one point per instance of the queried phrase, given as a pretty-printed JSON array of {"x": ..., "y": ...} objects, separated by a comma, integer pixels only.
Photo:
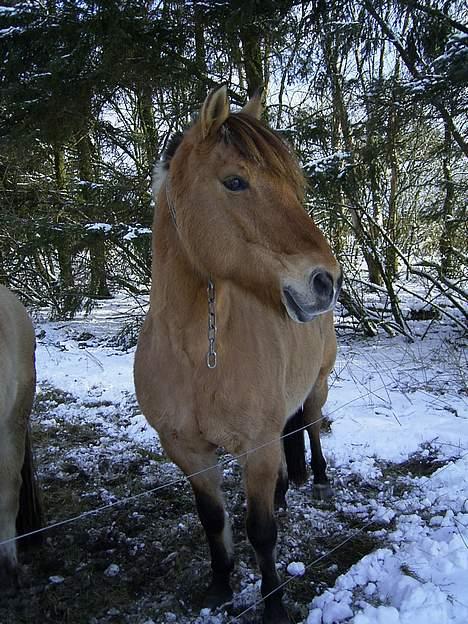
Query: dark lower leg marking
[
  {"x": 318, "y": 465},
  {"x": 212, "y": 517},
  {"x": 317, "y": 461},
  {"x": 282, "y": 485},
  {"x": 262, "y": 533},
  {"x": 321, "y": 489}
]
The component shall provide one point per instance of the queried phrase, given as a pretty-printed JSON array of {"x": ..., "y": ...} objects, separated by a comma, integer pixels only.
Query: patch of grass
[
  {"x": 409, "y": 572},
  {"x": 49, "y": 398},
  {"x": 94, "y": 404},
  {"x": 157, "y": 540},
  {"x": 421, "y": 464},
  {"x": 420, "y": 467}
]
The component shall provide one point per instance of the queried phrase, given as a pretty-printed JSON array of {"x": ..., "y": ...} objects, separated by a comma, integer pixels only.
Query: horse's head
[{"x": 235, "y": 192}]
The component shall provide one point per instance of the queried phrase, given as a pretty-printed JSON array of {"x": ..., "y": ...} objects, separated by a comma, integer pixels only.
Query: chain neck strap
[{"x": 211, "y": 356}]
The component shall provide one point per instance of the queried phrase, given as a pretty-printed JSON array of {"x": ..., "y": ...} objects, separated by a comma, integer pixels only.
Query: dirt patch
[{"x": 146, "y": 559}]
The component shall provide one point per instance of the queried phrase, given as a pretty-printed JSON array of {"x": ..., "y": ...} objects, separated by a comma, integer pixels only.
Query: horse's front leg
[
  {"x": 260, "y": 474},
  {"x": 11, "y": 457},
  {"x": 215, "y": 521},
  {"x": 197, "y": 456}
]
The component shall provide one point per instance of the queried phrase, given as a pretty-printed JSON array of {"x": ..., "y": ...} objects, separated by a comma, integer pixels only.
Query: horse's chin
[{"x": 299, "y": 308}]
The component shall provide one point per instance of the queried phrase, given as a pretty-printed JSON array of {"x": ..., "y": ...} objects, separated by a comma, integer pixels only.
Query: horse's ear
[
  {"x": 215, "y": 111},
  {"x": 254, "y": 106}
]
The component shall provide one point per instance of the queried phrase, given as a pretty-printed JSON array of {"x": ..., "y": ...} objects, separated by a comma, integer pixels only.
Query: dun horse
[
  {"x": 239, "y": 334},
  {"x": 19, "y": 503}
]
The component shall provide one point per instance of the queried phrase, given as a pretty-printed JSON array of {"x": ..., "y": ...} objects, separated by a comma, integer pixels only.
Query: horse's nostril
[{"x": 322, "y": 284}]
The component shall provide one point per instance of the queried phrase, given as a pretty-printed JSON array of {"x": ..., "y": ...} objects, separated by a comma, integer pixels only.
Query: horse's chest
[
  {"x": 259, "y": 381},
  {"x": 264, "y": 372}
]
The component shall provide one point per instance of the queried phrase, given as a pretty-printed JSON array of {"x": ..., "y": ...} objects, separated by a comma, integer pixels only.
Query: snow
[
  {"x": 296, "y": 568},
  {"x": 126, "y": 232},
  {"x": 389, "y": 402},
  {"x": 99, "y": 227},
  {"x": 136, "y": 232},
  {"x": 447, "y": 69},
  {"x": 404, "y": 397},
  {"x": 326, "y": 163},
  {"x": 424, "y": 575},
  {"x": 112, "y": 570},
  {"x": 6, "y": 32}
]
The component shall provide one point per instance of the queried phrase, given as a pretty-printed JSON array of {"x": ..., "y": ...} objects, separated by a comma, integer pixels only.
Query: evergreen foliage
[{"x": 372, "y": 95}]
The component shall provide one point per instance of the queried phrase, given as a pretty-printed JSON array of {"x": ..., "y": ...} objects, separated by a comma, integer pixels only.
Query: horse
[
  {"x": 20, "y": 507},
  {"x": 239, "y": 332}
]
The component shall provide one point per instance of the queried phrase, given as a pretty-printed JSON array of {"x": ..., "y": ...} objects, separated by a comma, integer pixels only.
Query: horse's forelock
[
  {"x": 253, "y": 140},
  {"x": 259, "y": 144},
  {"x": 172, "y": 145}
]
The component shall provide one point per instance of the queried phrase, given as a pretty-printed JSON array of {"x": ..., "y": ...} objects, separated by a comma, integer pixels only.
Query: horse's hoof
[
  {"x": 322, "y": 491},
  {"x": 276, "y": 615},
  {"x": 9, "y": 578},
  {"x": 216, "y": 595},
  {"x": 280, "y": 503}
]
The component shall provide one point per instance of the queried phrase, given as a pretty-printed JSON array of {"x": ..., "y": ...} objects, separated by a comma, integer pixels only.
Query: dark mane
[{"x": 171, "y": 148}]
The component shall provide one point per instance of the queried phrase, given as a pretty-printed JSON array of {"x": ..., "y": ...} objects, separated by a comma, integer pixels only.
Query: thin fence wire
[
  {"x": 216, "y": 466},
  {"x": 257, "y": 603},
  {"x": 180, "y": 479}
]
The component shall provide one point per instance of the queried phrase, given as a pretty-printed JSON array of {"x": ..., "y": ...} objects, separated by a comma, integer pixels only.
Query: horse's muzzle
[{"x": 305, "y": 301}]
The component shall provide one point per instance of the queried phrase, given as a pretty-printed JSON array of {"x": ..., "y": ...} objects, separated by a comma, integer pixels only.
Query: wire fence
[
  {"x": 183, "y": 478},
  {"x": 216, "y": 466}
]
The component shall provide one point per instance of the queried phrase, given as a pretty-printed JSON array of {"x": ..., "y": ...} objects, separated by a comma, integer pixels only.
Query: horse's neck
[{"x": 175, "y": 283}]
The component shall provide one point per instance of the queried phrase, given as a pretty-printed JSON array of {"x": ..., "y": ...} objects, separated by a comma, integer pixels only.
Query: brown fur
[
  {"x": 17, "y": 385},
  {"x": 250, "y": 243}
]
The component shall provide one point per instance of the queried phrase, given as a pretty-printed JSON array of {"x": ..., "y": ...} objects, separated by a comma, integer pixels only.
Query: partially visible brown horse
[
  {"x": 19, "y": 502},
  {"x": 233, "y": 247}
]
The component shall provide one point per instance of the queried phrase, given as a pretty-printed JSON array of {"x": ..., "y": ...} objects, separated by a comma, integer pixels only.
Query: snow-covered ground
[
  {"x": 391, "y": 403},
  {"x": 404, "y": 400}
]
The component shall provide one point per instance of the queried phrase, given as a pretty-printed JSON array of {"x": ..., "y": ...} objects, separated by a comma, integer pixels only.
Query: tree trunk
[
  {"x": 391, "y": 259},
  {"x": 252, "y": 56},
  {"x": 341, "y": 120},
  {"x": 449, "y": 225},
  {"x": 148, "y": 127},
  {"x": 200, "y": 53},
  {"x": 68, "y": 298},
  {"x": 98, "y": 287}
]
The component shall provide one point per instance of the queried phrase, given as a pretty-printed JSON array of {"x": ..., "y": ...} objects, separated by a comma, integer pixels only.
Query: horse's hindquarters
[{"x": 17, "y": 385}]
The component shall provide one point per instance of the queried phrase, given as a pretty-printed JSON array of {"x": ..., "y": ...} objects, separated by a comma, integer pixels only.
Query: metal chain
[{"x": 211, "y": 356}]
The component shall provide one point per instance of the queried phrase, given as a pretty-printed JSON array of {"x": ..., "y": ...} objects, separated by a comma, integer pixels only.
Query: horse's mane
[
  {"x": 162, "y": 166},
  {"x": 171, "y": 148},
  {"x": 254, "y": 141}
]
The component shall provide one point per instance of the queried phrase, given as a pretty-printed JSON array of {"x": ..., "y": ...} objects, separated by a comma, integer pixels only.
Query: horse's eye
[{"x": 235, "y": 183}]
